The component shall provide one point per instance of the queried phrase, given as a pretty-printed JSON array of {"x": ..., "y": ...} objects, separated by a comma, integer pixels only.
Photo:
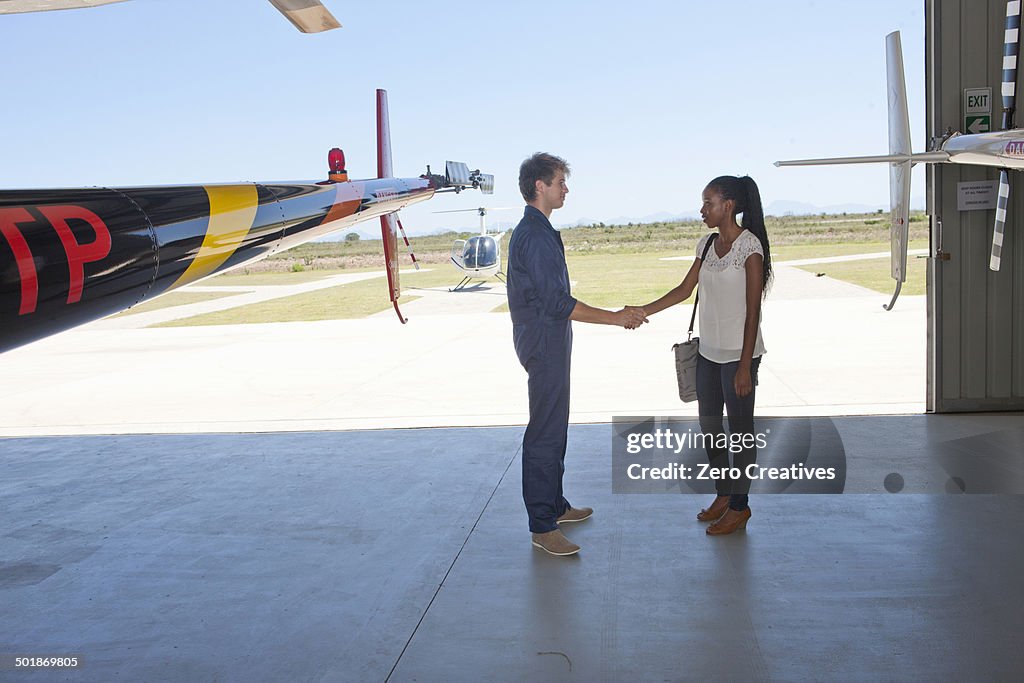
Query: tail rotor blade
[
  {"x": 408, "y": 246},
  {"x": 899, "y": 171},
  {"x": 389, "y": 235},
  {"x": 1000, "y": 223},
  {"x": 899, "y": 118},
  {"x": 1011, "y": 48},
  {"x": 899, "y": 226},
  {"x": 384, "y": 169}
]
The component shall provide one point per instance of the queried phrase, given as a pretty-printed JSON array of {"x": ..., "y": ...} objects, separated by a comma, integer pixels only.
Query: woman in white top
[{"x": 733, "y": 279}]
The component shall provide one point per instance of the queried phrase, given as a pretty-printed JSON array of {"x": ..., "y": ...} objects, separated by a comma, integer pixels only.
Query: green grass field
[
  {"x": 356, "y": 300},
  {"x": 610, "y": 265},
  {"x": 874, "y": 274},
  {"x": 175, "y": 299},
  {"x": 240, "y": 279}
]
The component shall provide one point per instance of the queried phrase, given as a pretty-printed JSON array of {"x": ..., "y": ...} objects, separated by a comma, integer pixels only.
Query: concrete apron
[{"x": 832, "y": 350}]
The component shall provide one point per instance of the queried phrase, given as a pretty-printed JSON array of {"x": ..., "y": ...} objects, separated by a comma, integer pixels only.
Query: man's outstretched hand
[{"x": 632, "y": 317}]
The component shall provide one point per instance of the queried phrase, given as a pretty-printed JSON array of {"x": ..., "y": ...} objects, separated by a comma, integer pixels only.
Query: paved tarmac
[{"x": 832, "y": 350}]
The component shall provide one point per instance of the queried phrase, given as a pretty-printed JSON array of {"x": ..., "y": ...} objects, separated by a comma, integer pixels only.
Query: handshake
[{"x": 631, "y": 317}]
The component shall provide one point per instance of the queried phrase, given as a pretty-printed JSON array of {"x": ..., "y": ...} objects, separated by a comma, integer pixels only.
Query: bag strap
[{"x": 696, "y": 297}]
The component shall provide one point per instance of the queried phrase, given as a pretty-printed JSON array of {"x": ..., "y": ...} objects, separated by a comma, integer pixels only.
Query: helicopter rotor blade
[
  {"x": 1011, "y": 47},
  {"x": 309, "y": 16},
  {"x": 479, "y": 209}
]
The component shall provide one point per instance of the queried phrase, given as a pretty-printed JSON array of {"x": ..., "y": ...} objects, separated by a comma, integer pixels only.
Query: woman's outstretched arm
[{"x": 677, "y": 294}]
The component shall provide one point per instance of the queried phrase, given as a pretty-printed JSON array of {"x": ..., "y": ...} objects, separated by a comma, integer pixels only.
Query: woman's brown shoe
[
  {"x": 730, "y": 522},
  {"x": 716, "y": 510}
]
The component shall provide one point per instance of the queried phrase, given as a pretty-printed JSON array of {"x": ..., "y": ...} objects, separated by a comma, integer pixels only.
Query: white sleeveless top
[{"x": 723, "y": 299}]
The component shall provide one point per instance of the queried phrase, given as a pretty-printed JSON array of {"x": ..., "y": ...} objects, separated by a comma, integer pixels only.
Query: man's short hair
[{"x": 541, "y": 166}]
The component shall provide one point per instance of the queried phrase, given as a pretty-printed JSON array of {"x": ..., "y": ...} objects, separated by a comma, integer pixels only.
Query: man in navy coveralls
[{"x": 542, "y": 310}]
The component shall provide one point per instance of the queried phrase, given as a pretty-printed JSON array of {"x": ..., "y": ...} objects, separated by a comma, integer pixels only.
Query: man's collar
[{"x": 537, "y": 213}]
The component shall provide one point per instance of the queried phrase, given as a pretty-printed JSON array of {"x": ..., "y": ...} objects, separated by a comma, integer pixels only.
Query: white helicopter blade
[
  {"x": 309, "y": 16},
  {"x": 25, "y": 6}
]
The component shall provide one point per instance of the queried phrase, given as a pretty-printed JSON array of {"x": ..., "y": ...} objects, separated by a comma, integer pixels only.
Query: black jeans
[{"x": 715, "y": 391}]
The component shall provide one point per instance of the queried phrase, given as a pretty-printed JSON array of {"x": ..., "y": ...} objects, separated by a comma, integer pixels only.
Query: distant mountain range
[{"x": 782, "y": 207}]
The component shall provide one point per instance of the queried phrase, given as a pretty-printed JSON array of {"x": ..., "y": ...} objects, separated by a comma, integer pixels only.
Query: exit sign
[
  {"x": 977, "y": 110},
  {"x": 977, "y": 101}
]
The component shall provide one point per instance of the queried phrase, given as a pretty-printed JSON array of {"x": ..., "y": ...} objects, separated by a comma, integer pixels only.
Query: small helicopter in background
[{"x": 478, "y": 257}]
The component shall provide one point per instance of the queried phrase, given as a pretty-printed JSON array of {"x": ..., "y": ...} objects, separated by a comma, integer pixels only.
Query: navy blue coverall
[{"x": 540, "y": 304}]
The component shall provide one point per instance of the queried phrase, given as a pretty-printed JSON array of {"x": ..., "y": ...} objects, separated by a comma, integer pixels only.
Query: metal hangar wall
[{"x": 975, "y": 315}]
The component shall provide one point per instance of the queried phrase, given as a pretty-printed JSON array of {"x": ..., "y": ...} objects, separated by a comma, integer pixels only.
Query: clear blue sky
[{"x": 647, "y": 100}]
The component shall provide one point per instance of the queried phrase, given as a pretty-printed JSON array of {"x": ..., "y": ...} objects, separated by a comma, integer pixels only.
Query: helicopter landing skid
[
  {"x": 461, "y": 285},
  {"x": 466, "y": 280}
]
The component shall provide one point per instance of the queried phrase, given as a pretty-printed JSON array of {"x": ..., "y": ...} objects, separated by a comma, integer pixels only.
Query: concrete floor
[
  {"x": 403, "y": 555},
  {"x": 160, "y": 542}
]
